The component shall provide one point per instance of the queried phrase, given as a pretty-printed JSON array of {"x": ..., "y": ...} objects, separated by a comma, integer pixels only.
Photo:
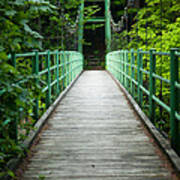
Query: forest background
[{"x": 26, "y": 25}]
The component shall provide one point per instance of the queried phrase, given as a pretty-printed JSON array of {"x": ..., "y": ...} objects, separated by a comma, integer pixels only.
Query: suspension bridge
[{"x": 101, "y": 125}]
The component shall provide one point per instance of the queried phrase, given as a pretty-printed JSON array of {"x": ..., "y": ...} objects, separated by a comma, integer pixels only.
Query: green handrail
[
  {"x": 137, "y": 72},
  {"x": 54, "y": 71}
]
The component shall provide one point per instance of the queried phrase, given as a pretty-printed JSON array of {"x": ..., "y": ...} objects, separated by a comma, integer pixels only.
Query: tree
[{"x": 158, "y": 25}]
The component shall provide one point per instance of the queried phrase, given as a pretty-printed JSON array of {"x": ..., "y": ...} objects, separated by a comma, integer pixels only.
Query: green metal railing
[
  {"x": 54, "y": 71},
  {"x": 138, "y": 71}
]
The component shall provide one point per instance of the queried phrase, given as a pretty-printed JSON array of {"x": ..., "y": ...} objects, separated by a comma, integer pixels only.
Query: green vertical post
[
  {"x": 107, "y": 26},
  {"x": 63, "y": 70},
  {"x": 70, "y": 60},
  {"x": 57, "y": 72},
  {"x": 14, "y": 130},
  {"x": 152, "y": 85},
  {"x": 139, "y": 59},
  {"x": 132, "y": 73},
  {"x": 60, "y": 72},
  {"x": 125, "y": 80},
  {"x": 48, "y": 80},
  {"x": 127, "y": 69},
  {"x": 81, "y": 27},
  {"x": 71, "y": 65},
  {"x": 53, "y": 75},
  {"x": 121, "y": 66},
  {"x": 68, "y": 68},
  {"x": 141, "y": 78},
  {"x": 174, "y": 100},
  {"x": 73, "y": 74},
  {"x": 36, "y": 72},
  {"x": 124, "y": 68},
  {"x": 116, "y": 64}
]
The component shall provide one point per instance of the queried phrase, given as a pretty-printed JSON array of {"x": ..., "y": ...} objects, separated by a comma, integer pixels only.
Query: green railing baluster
[
  {"x": 67, "y": 70},
  {"x": 66, "y": 64},
  {"x": 48, "y": 80},
  {"x": 138, "y": 74},
  {"x": 73, "y": 74},
  {"x": 123, "y": 67},
  {"x": 125, "y": 75},
  {"x": 118, "y": 65},
  {"x": 132, "y": 73},
  {"x": 174, "y": 100},
  {"x": 140, "y": 78},
  {"x": 36, "y": 72},
  {"x": 60, "y": 71},
  {"x": 63, "y": 69},
  {"x": 53, "y": 75},
  {"x": 127, "y": 70},
  {"x": 68, "y": 60},
  {"x": 152, "y": 85},
  {"x": 72, "y": 78},
  {"x": 57, "y": 72}
]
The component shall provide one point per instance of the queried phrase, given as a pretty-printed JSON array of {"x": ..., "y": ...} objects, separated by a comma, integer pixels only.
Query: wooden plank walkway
[{"x": 95, "y": 135}]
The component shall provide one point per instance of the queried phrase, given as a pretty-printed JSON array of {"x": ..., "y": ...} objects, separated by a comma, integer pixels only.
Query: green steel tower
[{"x": 106, "y": 19}]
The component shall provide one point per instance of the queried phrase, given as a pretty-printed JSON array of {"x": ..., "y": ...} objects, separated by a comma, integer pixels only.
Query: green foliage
[
  {"x": 16, "y": 99},
  {"x": 16, "y": 17},
  {"x": 156, "y": 26},
  {"x": 163, "y": 26}
]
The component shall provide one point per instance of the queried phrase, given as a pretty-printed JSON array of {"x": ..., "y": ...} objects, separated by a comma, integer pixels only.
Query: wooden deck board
[{"x": 95, "y": 135}]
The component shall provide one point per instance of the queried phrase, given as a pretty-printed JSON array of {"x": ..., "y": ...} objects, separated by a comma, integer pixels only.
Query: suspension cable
[{"x": 117, "y": 27}]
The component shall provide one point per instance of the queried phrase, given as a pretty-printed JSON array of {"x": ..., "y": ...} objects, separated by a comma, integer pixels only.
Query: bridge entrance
[
  {"x": 94, "y": 47},
  {"x": 97, "y": 40}
]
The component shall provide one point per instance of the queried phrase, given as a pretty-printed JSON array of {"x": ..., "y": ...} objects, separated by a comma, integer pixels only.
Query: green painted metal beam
[
  {"x": 107, "y": 26},
  {"x": 152, "y": 85},
  {"x": 81, "y": 27},
  {"x": 174, "y": 104},
  {"x": 96, "y": 19},
  {"x": 94, "y": 0}
]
